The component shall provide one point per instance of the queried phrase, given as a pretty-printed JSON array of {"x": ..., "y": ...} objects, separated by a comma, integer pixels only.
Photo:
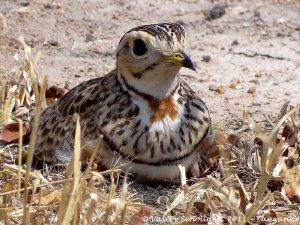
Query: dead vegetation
[{"x": 28, "y": 197}]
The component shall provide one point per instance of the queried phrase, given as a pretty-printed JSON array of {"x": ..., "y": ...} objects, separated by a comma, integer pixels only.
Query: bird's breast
[
  {"x": 162, "y": 109},
  {"x": 149, "y": 130}
]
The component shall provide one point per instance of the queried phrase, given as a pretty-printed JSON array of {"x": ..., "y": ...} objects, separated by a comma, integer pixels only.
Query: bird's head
[{"x": 149, "y": 58}]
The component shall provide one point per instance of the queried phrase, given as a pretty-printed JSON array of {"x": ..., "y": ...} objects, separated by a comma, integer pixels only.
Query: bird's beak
[{"x": 181, "y": 59}]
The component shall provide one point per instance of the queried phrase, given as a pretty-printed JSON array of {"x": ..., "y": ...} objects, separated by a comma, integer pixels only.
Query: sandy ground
[
  {"x": 254, "y": 47},
  {"x": 255, "y": 44}
]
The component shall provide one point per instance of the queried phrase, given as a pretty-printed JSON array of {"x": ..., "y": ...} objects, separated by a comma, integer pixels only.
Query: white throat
[{"x": 159, "y": 82}]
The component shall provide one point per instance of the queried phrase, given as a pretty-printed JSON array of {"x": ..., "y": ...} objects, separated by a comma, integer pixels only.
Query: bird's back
[{"x": 91, "y": 100}]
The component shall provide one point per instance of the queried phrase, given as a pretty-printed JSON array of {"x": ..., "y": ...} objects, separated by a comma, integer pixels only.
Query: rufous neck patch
[{"x": 162, "y": 109}]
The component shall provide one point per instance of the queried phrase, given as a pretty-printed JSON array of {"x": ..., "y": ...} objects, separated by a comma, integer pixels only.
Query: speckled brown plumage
[{"x": 144, "y": 131}]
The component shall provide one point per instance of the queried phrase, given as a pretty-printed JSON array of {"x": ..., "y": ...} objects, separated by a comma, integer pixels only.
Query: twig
[
  {"x": 20, "y": 155},
  {"x": 30, "y": 187},
  {"x": 269, "y": 121},
  {"x": 255, "y": 54},
  {"x": 242, "y": 130}
]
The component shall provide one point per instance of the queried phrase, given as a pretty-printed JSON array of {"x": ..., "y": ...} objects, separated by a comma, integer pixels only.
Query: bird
[{"x": 150, "y": 120}]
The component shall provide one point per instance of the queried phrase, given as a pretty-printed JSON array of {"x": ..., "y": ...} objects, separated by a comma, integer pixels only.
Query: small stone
[
  {"x": 89, "y": 38},
  {"x": 255, "y": 81},
  {"x": 53, "y": 43},
  {"x": 216, "y": 12},
  {"x": 256, "y": 14},
  {"x": 67, "y": 85},
  {"x": 206, "y": 58},
  {"x": 25, "y": 3},
  {"x": 14, "y": 43},
  {"x": 163, "y": 200},
  {"x": 52, "y": 6},
  {"x": 279, "y": 34},
  {"x": 236, "y": 84},
  {"x": 258, "y": 75},
  {"x": 219, "y": 89},
  {"x": 32, "y": 42},
  {"x": 281, "y": 20},
  {"x": 235, "y": 42},
  {"x": 212, "y": 87},
  {"x": 251, "y": 90},
  {"x": 50, "y": 43}
]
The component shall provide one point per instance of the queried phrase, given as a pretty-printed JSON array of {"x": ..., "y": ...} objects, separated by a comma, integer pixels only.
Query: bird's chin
[
  {"x": 158, "y": 83},
  {"x": 173, "y": 65},
  {"x": 170, "y": 69}
]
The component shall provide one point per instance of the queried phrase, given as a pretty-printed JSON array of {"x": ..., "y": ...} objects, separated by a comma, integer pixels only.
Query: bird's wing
[{"x": 56, "y": 131}]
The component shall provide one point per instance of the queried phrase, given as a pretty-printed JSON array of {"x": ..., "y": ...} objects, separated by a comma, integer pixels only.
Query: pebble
[
  {"x": 219, "y": 89},
  {"x": 89, "y": 38},
  {"x": 24, "y": 3},
  {"x": 235, "y": 42},
  {"x": 216, "y": 12},
  {"x": 236, "y": 84},
  {"x": 67, "y": 85},
  {"x": 251, "y": 90},
  {"x": 206, "y": 58}
]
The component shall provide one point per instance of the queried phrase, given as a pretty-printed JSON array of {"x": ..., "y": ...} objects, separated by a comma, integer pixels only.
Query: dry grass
[
  {"x": 236, "y": 193},
  {"x": 27, "y": 197}
]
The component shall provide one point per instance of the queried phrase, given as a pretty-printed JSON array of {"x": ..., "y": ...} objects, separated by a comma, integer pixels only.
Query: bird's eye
[{"x": 139, "y": 47}]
